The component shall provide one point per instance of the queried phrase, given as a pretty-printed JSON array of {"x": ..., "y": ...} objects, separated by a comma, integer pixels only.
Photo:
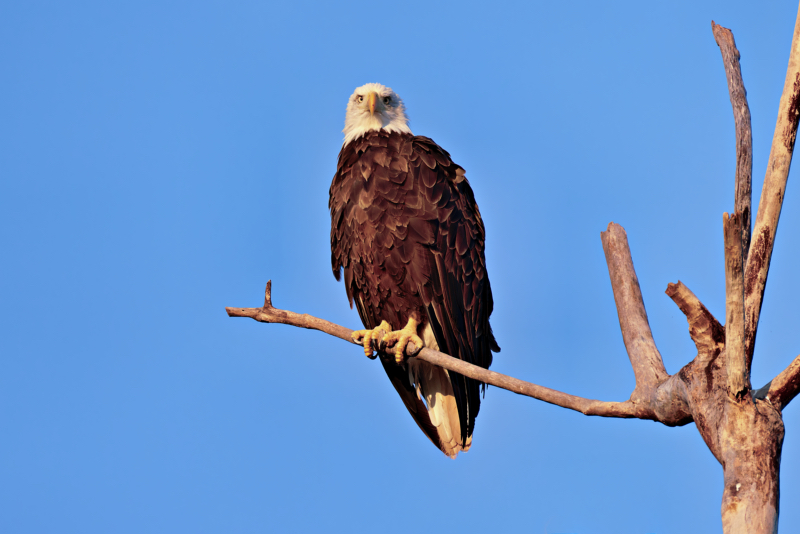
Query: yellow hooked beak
[{"x": 372, "y": 99}]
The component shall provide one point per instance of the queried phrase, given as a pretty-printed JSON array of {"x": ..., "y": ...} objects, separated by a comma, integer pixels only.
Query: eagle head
[{"x": 373, "y": 107}]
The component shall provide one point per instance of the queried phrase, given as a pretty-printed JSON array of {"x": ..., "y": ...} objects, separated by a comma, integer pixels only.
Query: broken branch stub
[
  {"x": 744, "y": 138},
  {"x": 738, "y": 371}
]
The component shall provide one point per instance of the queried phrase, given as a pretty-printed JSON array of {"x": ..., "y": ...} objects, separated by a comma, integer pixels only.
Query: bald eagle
[{"x": 407, "y": 233}]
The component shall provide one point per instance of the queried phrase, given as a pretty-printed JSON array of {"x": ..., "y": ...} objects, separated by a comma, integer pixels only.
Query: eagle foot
[
  {"x": 372, "y": 339},
  {"x": 400, "y": 339}
]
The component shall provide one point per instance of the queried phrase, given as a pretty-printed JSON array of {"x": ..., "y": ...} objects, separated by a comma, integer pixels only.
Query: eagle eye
[{"x": 387, "y": 99}]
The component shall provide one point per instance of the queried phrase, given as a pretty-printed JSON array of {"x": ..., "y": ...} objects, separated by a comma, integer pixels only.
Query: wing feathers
[{"x": 407, "y": 232}]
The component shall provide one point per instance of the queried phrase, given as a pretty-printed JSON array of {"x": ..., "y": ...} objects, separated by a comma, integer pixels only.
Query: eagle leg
[
  {"x": 400, "y": 339},
  {"x": 371, "y": 339}
]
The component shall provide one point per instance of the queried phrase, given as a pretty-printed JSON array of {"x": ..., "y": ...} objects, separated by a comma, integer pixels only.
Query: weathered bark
[
  {"x": 743, "y": 430},
  {"x": 744, "y": 435},
  {"x": 769, "y": 207},
  {"x": 738, "y": 368},
  {"x": 744, "y": 136},
  {"x": 784, "y": 387},
  {"x": 646, "y": 361},
  {"x": 751, "y": 439}
]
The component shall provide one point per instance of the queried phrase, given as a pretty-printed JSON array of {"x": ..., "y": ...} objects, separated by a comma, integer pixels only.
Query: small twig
[
  {"x": 268, "y": 314},
  {"x": 785, "y": 386},
  {"x": 744, "y": 136}
]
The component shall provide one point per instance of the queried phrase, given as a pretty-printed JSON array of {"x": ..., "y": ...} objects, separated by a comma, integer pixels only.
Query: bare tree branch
[
  {"x": 704, "y": 329},
  {"x": 648, "y": 367},
  {"x": 657, "y": 396},
  {"x": 736, "y": 363},
  {"x": 627, "y": 409},
  {"x": 769, "y": 207},
  {"x": 746, "y": 434},
  {"x": 744, "y": 136},
  {"x": 700, "y": 377},
  {"x": 785, "y": 386}
]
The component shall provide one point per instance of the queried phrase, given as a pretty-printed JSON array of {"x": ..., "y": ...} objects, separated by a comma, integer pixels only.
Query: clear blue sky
[{"x": 162, "y": 160}]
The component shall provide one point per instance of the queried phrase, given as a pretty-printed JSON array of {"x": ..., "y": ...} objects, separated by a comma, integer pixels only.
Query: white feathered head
[{"x": 371, "y": 107}]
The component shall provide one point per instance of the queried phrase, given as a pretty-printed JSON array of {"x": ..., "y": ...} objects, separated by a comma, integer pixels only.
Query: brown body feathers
[{"x": 408, "y": 235}]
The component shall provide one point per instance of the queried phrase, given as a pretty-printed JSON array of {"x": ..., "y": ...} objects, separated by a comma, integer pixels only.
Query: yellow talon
[
  {"x": 383, "y": 335},
  {"x": 371, "y": 339},
  {"x": 400, "y": 339}
]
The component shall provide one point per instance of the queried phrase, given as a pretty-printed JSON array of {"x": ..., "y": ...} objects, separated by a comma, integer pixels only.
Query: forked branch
[
  {"x": 268, "y": 314},
  {"x": 756, "y": 257}
]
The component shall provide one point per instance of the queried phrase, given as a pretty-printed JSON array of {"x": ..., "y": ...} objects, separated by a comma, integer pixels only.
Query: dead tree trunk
[{"x": 742, "y": 427}]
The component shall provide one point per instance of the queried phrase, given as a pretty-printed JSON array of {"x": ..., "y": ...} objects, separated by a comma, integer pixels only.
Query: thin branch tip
[{"x": 614, "y": 226}]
